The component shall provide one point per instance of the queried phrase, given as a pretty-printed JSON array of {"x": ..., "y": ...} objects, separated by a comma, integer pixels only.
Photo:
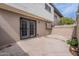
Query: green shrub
[
  {"x": 66, "y": 20},
  {"x": 72, "y": 42}
]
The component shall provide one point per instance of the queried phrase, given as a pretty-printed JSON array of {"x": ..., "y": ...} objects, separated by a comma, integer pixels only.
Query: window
[
  {"x": 48, "y": 8},
  {"x": 55, "y": 17}
]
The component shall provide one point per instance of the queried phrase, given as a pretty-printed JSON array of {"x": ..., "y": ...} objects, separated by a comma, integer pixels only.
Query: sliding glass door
[{"x": 27, "y": 28}]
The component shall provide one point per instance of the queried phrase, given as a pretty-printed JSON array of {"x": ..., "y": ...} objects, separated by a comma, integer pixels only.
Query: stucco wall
[
  {"x": 35, "y": 8},
  {"x": 10, "y": 27},
  {"x": 41, "y": 28}
]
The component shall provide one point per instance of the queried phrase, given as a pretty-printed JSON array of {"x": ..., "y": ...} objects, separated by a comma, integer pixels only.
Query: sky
[{"x": 67, "y": 9}]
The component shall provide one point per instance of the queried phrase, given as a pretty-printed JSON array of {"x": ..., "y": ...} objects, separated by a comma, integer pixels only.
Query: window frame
[
  {"x": 47, "y": 7},
  {"x": 55, "y": 17}
]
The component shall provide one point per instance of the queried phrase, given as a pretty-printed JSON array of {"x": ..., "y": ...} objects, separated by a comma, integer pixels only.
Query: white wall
[{"x": 36, "y": 9}]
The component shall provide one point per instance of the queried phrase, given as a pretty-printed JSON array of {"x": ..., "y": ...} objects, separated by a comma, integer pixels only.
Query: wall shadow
[
  {"x": 13, "y": 50},
  {"x": 8, "y": 46}
]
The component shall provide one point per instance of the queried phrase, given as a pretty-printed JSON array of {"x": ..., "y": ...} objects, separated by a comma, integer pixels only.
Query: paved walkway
[{"x": 50, "y": 45}]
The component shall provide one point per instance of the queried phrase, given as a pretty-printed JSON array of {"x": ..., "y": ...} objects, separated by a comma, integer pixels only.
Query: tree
[{"x": 65, "y": 20}]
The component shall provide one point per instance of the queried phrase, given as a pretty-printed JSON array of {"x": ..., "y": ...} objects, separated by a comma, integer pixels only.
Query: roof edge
[
  {"x": 56, "y": 10},
  {"x": 15, "y": 10}
]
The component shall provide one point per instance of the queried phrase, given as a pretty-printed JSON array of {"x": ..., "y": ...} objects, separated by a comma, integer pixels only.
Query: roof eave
[{"x": 56, "y": 10}]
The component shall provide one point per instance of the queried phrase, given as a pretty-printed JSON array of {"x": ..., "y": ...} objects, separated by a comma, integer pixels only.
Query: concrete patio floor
[
  {"x": 45, "y": 46},
  {"x": 50, "y": 45}
]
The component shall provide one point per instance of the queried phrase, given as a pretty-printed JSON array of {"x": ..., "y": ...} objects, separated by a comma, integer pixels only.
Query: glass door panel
[
  {"x": 32, "y": 28},
  {"x": 28, "y": 28}
]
